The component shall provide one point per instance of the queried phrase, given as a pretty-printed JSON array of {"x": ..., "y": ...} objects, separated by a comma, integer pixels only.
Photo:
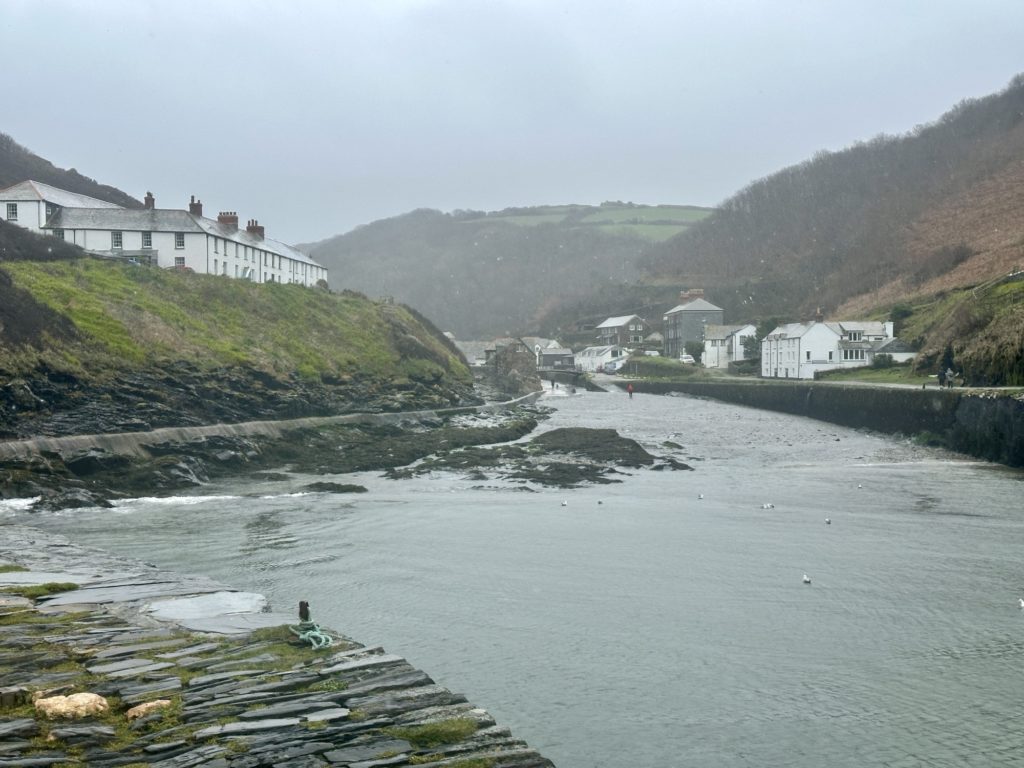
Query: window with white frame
[
  {"x": 179, "y": 240},
  {"x": 179, "y": 261},
  {"x": 12, "y": 211},
  {"x": 116, "y": 241},
  {"x": 59, "y": 234},
  {"x": 147, "y": 239}
]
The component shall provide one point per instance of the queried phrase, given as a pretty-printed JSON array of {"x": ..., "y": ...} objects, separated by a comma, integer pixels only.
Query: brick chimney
[
  {"x": 254, "y": 229},
  {"x": 195, "y": 207},
  {"x": 149, "y": 201},
  {"x": 228, "y": 219}
]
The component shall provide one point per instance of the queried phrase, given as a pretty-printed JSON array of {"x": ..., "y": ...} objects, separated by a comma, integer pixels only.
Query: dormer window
[{"x": 856, "y": 335}]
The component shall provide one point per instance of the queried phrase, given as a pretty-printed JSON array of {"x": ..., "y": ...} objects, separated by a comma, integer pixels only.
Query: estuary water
[{"x": 663, "y": 620}]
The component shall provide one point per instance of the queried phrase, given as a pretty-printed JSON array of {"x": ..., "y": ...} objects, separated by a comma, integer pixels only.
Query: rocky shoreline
[
  {"x": 236, "y": 686},
  {"x": 482, "y": 442}
]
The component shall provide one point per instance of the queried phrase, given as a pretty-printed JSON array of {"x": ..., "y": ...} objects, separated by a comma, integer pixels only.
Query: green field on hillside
[{"x": 651, "y": 222}]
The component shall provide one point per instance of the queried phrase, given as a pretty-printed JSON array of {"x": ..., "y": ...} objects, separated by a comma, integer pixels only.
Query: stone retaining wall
[
  {"x": 985, "y": 425},
  {"x": 135, "y": 443}
]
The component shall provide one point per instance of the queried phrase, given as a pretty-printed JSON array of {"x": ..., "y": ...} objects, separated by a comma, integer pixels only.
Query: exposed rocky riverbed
[
  {"x": 484, "y": 445},
  {"x": 110, "y": 662}
]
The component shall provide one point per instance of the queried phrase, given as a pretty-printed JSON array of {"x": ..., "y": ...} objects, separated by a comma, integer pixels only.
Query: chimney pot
[
  {"x": 228, "y": 219},
  {"x": 254, "y": 229}
]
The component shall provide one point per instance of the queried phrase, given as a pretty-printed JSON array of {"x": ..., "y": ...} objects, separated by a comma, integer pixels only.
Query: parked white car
[{"x": 684, "y": 358}]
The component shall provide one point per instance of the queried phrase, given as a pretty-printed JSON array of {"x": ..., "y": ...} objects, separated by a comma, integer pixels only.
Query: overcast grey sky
[{"x": 315, "y": 117}]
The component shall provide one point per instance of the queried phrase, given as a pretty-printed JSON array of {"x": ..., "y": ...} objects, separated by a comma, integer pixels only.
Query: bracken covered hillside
[
  {"x": 93, "y": 346},
  {"x": 909, "y": 223}
]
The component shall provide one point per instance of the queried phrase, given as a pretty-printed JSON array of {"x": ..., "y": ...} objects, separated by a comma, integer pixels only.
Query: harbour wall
[
  {"x": 984, "y": 424},
  {"x": 137, "y": 443}
]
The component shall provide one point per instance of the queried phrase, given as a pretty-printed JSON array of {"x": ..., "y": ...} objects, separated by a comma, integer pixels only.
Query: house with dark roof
[
  {"x": 625, "y": 330},
  {"x": 168, "y": 238},
  {"x": 685, "y": 321}
]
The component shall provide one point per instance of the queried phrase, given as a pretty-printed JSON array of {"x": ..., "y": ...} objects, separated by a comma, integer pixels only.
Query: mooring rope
[{"x": 309, "y": 631}]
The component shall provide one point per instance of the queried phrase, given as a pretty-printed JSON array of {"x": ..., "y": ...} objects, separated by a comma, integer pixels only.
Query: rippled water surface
[{"x": 640, "y": 625}]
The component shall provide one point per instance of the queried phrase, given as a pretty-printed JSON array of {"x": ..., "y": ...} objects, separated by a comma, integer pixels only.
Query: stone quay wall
[
  {"x": 139, "y": 666},
  {"x": 984, "y": 424},
  {"x": 135, "y": 443}
]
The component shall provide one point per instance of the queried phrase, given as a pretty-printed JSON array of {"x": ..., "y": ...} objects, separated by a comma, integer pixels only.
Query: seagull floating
[
  {"x": 1021, "y": 601},
  {"x": 565, "y": 503},
  {"x": 700, "y": 495},
  {"x": 828, "y": 521},
  {"x": 807, "y": 579},
  {"x": 767, "y": 506}
]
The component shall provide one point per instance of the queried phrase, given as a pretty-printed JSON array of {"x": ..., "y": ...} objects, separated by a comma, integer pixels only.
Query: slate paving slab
[{"x": 254, "y": 701}]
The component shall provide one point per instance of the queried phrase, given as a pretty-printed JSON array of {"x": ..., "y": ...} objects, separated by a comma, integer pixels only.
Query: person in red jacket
[{"x": 629, "y": 388}]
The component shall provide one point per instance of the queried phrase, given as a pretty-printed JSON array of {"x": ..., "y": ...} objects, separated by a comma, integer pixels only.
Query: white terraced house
[{"x": 167, "y": 238}]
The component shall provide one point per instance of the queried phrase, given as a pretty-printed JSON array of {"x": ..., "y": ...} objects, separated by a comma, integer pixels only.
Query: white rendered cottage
[
  {"x": 593, "y": 359},
  {"x": 723, "y": 344},
  {"x": 167, "y": 238},
  {"x": 799, "y": 350}
]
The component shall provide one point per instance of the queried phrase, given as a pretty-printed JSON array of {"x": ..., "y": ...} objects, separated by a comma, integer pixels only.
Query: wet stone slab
[{"x": 238, "y": 697}]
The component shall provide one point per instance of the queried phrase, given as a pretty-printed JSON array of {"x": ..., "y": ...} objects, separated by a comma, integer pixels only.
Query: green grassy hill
[{"x": 75, "y": 325}]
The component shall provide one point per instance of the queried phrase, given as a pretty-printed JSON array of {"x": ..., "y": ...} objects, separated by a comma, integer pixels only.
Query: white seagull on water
[{"x": 807, "y": 579}]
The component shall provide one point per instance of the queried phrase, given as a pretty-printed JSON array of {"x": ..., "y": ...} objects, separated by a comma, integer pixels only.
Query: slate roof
[
  {"x": 796, "y": 330},
  {"x": 596, "y": 351},
  {"x": 37, "y": 190},
  {"x": 867, "y": 327},
  {"x": 166, "y": 220},
  {"x": 894, "y": 346},
  {"x": 721, "y": 331},
  {"x": 615, "y": 322},
  {"x": 124, "y": 219},
  {"x": 697, "y": 305}
]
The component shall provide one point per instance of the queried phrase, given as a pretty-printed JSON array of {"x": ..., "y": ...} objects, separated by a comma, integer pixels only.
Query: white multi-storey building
[
  {"x": 166, "y": 238},
  {"x": 799, "y": 350}
]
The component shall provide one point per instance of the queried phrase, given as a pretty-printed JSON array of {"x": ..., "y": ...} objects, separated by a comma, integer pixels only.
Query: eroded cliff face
[{"x": 48, "y": 402}]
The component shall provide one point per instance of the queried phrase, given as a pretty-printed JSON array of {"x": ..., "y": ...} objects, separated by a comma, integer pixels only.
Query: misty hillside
[
  {"x": 488, "y": 274},
  {"x": 888, "y": 220},
  {"x": 926, "y": 229},
  {"x": 18, "y": 164}
]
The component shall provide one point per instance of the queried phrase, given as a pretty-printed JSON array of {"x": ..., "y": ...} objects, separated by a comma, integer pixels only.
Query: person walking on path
[{"x": 629, "y": 388}]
